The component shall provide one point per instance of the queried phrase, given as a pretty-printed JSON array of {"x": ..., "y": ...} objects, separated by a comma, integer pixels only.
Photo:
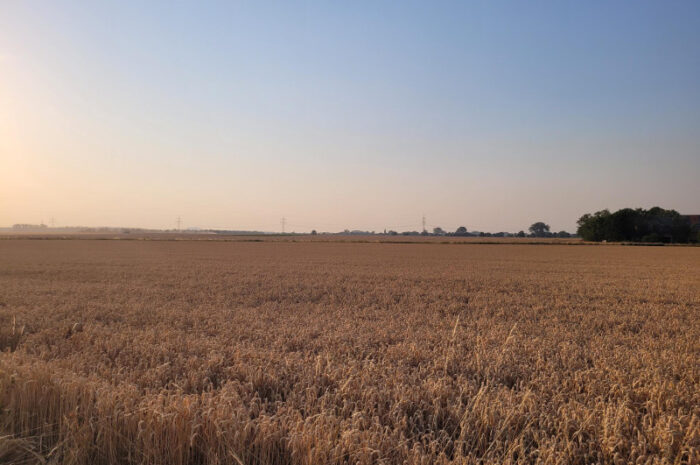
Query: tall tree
[{"x": 539, "y": 229}]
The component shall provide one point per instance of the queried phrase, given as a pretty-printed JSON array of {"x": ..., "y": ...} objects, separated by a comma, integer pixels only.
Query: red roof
[{"x": 694, "y": 219}]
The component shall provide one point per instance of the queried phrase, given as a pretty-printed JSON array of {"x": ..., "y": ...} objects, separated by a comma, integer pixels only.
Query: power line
[{"x": 284, "y": 221}]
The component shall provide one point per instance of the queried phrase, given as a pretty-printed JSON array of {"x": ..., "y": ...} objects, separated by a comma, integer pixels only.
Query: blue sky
[{"x": 338, "y": 115}]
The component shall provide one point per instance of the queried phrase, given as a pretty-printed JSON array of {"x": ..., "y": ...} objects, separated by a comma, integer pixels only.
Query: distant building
[
  {"x": 29, "y": 226},
  {"x": 694, "y": 220}
]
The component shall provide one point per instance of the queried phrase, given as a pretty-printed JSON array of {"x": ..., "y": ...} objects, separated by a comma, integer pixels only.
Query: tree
[
  {"x": 594, "y": 227},
  {"x": 635, "y": 225},
  {"x": 521, "y": 233},
  {"x": 461, "y": 231},
  {"x": 539, "y": 229},
  {"x": 438, "y": 231},
  {"x": 313, "y": 232}
]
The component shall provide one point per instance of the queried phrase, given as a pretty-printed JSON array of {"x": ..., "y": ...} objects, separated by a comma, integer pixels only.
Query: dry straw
[{"x": 321, "y": 353}]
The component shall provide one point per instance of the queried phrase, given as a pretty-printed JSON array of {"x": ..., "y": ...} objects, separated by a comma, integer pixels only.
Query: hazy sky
[{"x": 340, "y": 114}]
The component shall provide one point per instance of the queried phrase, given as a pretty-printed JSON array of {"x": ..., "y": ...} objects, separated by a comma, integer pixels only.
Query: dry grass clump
[
  {"x": 10, "y": 335},
  {"x": 323, "y": 353}
]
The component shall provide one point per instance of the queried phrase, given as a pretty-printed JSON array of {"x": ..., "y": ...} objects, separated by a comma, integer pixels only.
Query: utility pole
[
  {"x": 284, "y": 221},
  {"x": 53, "y": 222},
  {"x": 423, "y": 221},
  {"x": 179, "y": 222}
]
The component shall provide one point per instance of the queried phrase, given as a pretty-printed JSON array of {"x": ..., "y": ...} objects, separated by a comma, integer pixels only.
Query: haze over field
[{"x": 346, "y": 115}]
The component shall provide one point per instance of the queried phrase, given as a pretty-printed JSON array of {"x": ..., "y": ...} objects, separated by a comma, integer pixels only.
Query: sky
[{"x": 360, "y": 115}]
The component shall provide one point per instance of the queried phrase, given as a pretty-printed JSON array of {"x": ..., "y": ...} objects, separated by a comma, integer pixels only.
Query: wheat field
[{"x": 322, "y": 352}]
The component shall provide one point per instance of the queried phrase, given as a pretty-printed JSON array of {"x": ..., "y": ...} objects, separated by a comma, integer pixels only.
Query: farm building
[{"x": 694, "y": 220}]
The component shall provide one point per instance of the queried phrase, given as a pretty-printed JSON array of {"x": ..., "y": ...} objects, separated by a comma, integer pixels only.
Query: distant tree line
[
  {"x": 655, "y": 225},
  {"x": 538, "y": 229},
  {"x": 29, "y": 226},
  {"x": 637, "y": 225}
]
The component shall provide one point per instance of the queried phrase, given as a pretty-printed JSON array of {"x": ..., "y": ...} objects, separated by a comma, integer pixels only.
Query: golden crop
[{"x": 209, "y": 352}]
